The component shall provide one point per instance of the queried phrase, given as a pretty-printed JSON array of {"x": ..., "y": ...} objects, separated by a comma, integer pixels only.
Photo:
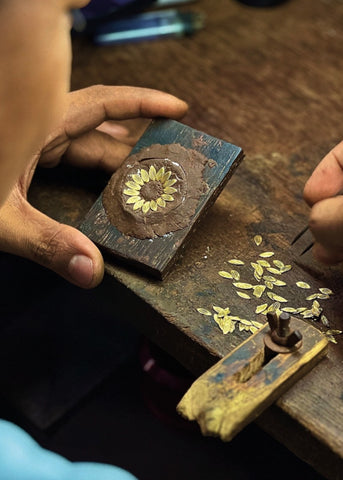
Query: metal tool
[
  {"x": 298, "y": 236},
  {"x": 306, "y": 229}
]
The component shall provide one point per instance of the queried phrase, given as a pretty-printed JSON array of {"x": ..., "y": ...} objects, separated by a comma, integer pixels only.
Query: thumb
[{"x": 26, "y": 232}]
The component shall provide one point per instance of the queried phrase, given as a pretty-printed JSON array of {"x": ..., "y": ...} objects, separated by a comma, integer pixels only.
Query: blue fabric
[{"x": 21, "y": 458}]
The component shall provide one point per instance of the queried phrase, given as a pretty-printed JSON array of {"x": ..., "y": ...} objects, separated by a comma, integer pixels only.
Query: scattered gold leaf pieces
[
  {"x": 235, "y": 275},
  {"x": 258, "y": 240},
  {"x": 266, "y": 254},
  {"x": 303, "y": 285},
  {"x": 276, "y": 298},
  {"x": 279, "y": 283},
  {"x": 273, "y": 270},
  {"x": 225, "y": 274},
  {"x": 244, "y": 286},
  {"x": 263, "y": 263},
  {"x": 235, "y": 261},
  {"x": 312, "y": 297},
  {"x": 334, "y": 332},
  {"x": 261, "y": 308},
  {"x": 257, "y": 324},
  {"x": 243, "y": 295},
  {"x": 325, "y": 290},
  {"x": 203, "y": 311},
  {"x": 258, "y": 290},
  {"x": 325, "y": 321}
]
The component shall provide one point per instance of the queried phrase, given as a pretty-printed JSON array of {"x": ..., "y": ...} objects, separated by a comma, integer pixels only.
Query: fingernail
[{"x": 81, "y": 270}]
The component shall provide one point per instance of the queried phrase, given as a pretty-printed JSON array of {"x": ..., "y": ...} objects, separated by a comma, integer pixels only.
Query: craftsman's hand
[
  {"x": 323, "y": 193},
  {"x": 29, "y": 233}
]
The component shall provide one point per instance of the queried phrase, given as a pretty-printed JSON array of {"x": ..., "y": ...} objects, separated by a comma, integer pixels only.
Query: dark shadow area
[{"x": 80, "y": 381}]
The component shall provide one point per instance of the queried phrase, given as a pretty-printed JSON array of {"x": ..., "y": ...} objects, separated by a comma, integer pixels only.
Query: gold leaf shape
[
  {"x": 289, "y": 309},
  {"x": 169, "y": 183},
  {"x": 167, "y": 198},
  {"x": 274, "y": 307},
  {"x": 146, "y": 207},
  {"x": 145, "y": 175},
  {"x": 242, "y": 294},
  {"x": 334, "y": 332},
  {"x": 165, "y": 177},
  {"x": 170, "y": 190},
  {"x": 235, "y": 275},
  {"x": 312, "y": 297},
  {"x": 235, "y": 261},
  {"x": 278, "y": 263},
  {"x": 257, "y": 276},
  {"x": 258, "y": 240},
  {"x": 257, "y": 324},
  {"x": 133, "y": 185},
  {"x": 203, "y": 311},
  {"x": 131, "y": 192},
  {"x": 261, "y": 308},
  {"x": 244, "y": 321},
  {"x": 152, "y": 172},
  {"x": 137, "y": 179},
  {"x": 275, "y": 271},
  {"x": 266, "y": 254},
  {"x": 263, "y": 263},
  {"x": 258, "y": 290},
  {"x": 160, "y": 202},
  {"x": 225, "y": 274},
  {"x": 277, "y": 298},
  {"x": 325, "y": 290},
  {"x": 133, "y": 199},
  {"x": 279, "y": 283},
  {"x": 286, "y": 268},
  {"x": 244, "y": 286},
  {"x": 138, "y": 204},
  {"x": 322, "y": 296},
  {"x": 300, "y": 309},
  {"x": 269, "y": 278},
  {"x": 153, "y": 205},
  {"x": 160, "y": 173},
  {"x": 303, "y": 285}
]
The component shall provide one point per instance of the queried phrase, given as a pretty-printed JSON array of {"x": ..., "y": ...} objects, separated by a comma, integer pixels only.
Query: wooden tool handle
[{"x": 242, "y": 385}]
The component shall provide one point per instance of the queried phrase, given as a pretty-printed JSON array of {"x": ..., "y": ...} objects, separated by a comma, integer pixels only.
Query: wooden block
[
  {"x": 199, "y": 166},
  {"x": 243, "y": 384}
]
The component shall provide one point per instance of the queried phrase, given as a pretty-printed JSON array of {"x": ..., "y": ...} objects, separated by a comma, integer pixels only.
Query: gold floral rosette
[{"x": 156, "y": 191}]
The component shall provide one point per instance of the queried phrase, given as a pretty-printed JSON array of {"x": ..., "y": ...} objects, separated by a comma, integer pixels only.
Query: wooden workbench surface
[{"x": 270, "y": 81}]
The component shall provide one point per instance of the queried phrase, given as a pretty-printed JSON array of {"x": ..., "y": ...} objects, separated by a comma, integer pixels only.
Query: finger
[
  {"x": 126, "y": 131},
  {"x": 327, "y": 179},
  {"x": 92, "y": 106},
  {"x": 326, "y": 256},
  {"x": 326, "y": 225},
  {"x": 29, "y": 233},
  {"x": 115, "y": 129},
  {"x": 97, "y": 149},
  {"x": 93, "y": 149}
]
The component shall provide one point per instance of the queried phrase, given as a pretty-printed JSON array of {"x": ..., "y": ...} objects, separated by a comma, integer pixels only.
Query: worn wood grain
[
  {"x": 269, "y": 80},
  {"x": 236, "y": 390}
]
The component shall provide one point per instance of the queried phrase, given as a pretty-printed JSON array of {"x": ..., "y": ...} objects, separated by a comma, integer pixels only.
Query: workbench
[{"x": 271, "y": 81}]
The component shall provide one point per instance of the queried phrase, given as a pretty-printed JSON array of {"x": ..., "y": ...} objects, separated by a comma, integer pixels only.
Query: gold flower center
[{"x": 151, "y": 190}]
